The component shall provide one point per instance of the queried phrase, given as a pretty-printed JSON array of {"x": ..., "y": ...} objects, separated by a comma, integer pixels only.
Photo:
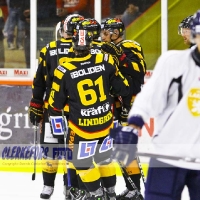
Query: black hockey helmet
[
  {"x": 185, "y": 23},
  {"x": 92, "y": 25},
  {"x": 69, "y": 23},
  {"x": 113, "y": 23},
  {"x": 82, "y": 37}
]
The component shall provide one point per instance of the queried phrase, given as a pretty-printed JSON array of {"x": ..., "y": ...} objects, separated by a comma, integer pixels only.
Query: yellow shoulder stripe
[
  {"x": 43, "y": 50},
  {"x": 55, "y": 86},
  {"x": 69, "y": 66},
  {"x": 52, "y": 44},
  {"x": 64, "y": 60},
  {"x": 58, "y": 74},
  {"x": 99, "y": 58},
  {"x": 111, "y": 60}
]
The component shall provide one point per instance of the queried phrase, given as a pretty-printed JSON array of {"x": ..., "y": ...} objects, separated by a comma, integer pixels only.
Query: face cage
[
  {"x": 184, "y": 32},
  {"x": 179, "y": 28}
]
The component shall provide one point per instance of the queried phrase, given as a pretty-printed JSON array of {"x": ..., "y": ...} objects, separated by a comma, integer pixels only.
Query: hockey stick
[
  {"x": 35, "y": 144},
  {"x": 65, "y": 128},
  {"x": 186, "y": 159},
  {"x": 56, "y": 34},
  {"x": 123, "y": 170},
  {"x": 57, "y": 29},
  {"x": 141, "y": 170}
]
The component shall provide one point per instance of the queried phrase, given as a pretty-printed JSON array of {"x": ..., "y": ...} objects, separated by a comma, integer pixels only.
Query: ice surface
[{"x": 19, "y": 186}]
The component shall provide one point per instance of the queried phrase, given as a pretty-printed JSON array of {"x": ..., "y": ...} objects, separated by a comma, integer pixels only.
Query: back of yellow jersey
[{"x": 85, "y": 84}]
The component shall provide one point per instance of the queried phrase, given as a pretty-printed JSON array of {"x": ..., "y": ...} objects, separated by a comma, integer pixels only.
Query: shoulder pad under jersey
[
  {"x": 98, "y": 43},
  {"x": 43, "y": 50},
  {"x": 52, "y": 44},
  {"x": 67, "y": 40},
  {"x": 130, "y": 41},
  {"x": 69, "y": 66}
]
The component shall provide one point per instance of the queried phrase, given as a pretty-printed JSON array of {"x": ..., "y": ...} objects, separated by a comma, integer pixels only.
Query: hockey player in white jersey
[
  {"x": 173, "y": 96},
  {"x": 184, "y": 30}
]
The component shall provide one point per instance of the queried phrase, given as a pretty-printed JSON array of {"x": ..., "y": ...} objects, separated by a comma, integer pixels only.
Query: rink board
[{"x": 16, "y": 129}]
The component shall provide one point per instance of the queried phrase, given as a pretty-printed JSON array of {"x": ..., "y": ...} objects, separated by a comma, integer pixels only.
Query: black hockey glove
[
  {"x": 124, "y": 116},
  {"x": 114, "y": 50},
  {"x": 125, "y": 144},
  {"x": 36, "y": 111}
]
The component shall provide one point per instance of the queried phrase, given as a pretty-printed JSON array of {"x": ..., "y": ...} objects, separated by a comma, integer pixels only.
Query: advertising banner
[
  {"x": 17, "y": 133},
  {"x": 14, "y": 121}
]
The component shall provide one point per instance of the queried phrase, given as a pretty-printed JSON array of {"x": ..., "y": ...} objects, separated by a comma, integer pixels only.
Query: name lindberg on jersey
[
  {"x": 95, "y": 121},
  {"x": 90, "y": 70}
]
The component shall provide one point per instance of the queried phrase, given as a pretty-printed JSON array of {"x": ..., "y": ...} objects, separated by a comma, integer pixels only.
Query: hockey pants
[{"x": 166, "y": 182}]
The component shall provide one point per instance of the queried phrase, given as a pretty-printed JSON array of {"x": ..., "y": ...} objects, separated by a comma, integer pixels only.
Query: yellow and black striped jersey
[
  {"x": 85, "y": 84},
  {"x": 96, "y": 47},
  {"x": 57, "y": 51},
  {"x": 50, "y": 57},
  {"x": 135, "y": 65},
  {"x": 39, "y": 80}
]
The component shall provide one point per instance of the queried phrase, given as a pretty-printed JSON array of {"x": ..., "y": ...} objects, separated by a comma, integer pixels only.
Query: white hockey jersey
[{"x": 172, "y": 97}]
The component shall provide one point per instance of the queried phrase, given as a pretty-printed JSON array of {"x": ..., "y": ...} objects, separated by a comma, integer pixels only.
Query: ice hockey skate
[
  {"x": 70, "y": 193},
  {"x": 97, "y": 195},
  {"x": 46, "y": 192},
  {"x": 82, "y": 195},
  {"x": 130, "y": 195},
  {"x": 109, "y": 193}
]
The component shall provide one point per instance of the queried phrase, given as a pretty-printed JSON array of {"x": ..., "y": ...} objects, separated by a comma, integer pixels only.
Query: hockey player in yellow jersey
[
  {"x": 50, "y": 55},
  {"x": 85, "y": 83},
  {"x": 130, "y": 55},
  {"x": 96, "y": 30}
]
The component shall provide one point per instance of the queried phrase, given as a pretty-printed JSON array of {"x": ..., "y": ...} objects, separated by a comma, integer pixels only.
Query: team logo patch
[
  {"x": 61, "y": 69},
  {"x": 106, "y": 145},
  {"x": 87, "y": 149},
  {"x": 193, "y": 101},
  {"x": 57, "y": 124}
]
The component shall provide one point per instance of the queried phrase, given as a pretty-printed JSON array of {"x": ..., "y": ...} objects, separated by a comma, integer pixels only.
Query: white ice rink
[{"x": 19, "y": 186}]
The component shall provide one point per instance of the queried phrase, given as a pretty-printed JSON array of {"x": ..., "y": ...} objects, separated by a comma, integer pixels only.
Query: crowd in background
[{"x": 15, "y": 19}]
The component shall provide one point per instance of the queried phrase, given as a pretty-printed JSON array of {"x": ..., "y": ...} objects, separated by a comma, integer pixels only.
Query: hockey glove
[
  {"x": 36, "y": 111},
  {"x": 124, "y": 116},
  {"x": 115, "y": 51},
  {"x": 125, "y": 144}
]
